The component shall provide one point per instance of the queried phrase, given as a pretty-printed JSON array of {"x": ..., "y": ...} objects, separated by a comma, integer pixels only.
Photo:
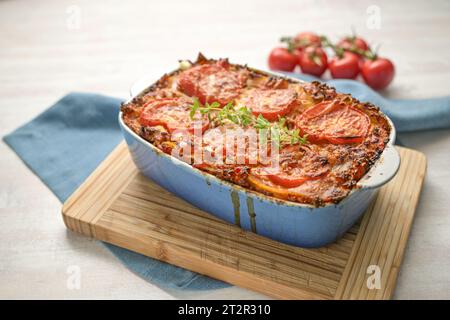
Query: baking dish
[{"x": 293, "y": 223}]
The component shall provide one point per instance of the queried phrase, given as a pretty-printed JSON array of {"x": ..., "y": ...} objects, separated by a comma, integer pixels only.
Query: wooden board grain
[{"x": 118, "y": 205}]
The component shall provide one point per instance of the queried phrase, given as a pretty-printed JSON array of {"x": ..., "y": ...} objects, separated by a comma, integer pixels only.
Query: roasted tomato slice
[
  {"x": 296, "y": 165},
  {"x": 173, "y": 114},
  {"x": 270, "y": 103},
  {"x": 212, "y": 82},
  {"x": 334, "y": 122}
]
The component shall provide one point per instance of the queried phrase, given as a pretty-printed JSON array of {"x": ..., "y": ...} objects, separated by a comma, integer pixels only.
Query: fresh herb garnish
[{"x": 242, "y": 116}]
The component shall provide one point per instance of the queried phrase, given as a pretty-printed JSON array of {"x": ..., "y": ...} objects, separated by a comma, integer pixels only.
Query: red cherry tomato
[
  {"x": 361, "y": 63},
  {"x": 378, "y": 73},
  {"x": 346, "y": 67},
  {"x": 281, "y": 59},
  {"x": 353, "y": 43},
  {"x": 313, "y": 60},
  {"x": 306, "y": 39}
]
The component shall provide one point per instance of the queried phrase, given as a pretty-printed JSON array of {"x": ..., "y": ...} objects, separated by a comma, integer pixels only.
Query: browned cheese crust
[{"x": 348, "y": 162}]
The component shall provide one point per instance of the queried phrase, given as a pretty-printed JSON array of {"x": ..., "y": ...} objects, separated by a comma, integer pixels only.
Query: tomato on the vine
[
  {"x": 306, "y": 39},
  {"x": 352, "y": 56},
  {"x": 352, "y": 43},
  {"x": 314, "y": 61},
  {"x": 378, "y": 73},
  {"x": 345, "y": 67},
  {"x": 281, "y": 59}
]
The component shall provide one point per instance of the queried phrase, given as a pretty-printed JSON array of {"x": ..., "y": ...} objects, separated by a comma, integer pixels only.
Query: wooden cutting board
[{"x": 118, "y": 205}]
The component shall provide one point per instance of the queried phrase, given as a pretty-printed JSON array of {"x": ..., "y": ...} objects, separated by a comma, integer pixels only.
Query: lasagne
[{"x": 287, "y": 139}]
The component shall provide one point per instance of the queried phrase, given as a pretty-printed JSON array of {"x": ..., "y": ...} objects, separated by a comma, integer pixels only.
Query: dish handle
[{"x": 385, "y": 169}]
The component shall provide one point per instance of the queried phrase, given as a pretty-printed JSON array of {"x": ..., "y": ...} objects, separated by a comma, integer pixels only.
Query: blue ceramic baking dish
[{"x": 289, "y": 222}]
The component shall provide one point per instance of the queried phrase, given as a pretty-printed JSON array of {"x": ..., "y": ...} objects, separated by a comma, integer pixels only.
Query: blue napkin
[
  {"x": 65, "y": 144},
  {"x": 407, "y": 114}
]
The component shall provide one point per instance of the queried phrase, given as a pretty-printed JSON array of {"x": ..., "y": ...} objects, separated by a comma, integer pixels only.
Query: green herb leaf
[
  {"x": 242, "y": 116},
  {"x": 261, "y": 122},
  {"x": 195, "y": 106}
]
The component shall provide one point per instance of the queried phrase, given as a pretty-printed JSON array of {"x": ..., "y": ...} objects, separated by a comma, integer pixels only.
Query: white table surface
[{"x": 44, "y": 55}]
